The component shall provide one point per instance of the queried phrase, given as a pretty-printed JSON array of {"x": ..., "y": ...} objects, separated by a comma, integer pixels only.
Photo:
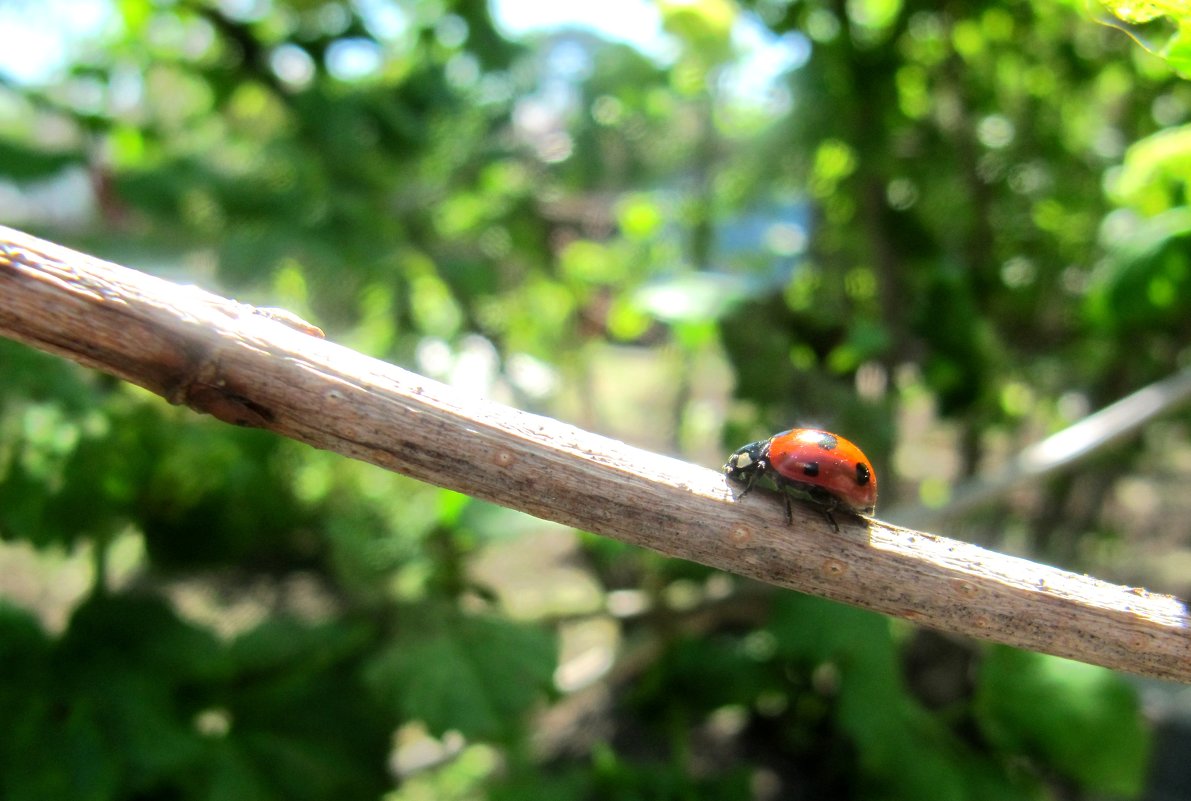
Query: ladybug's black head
[{"x": 746, "y": 463}]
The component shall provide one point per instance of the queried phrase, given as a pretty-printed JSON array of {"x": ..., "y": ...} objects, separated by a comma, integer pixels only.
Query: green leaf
[
  {"x": 30, "y": 163},
  {"x": 904, "y": 751},
  {"x": 1082, "y": 720},
  {"x": 24, "y": 664},
  {"x": 285, "y": 643},
  {"x": 1154, "y": 175},
  {"x": 476, "y": 675},
  {"x": 22, "y": 642},
  {"x": 709, "y": 671},
  {"x": 1146, "y": 280},
  {"x": 300, "y": 722},
  {"x": 136, "y": 673},
  {"x": 553, "y": 786},
  {"x": 1160, "y": 26},
  {"x": 105, "y": 712},
  {"x": 142, "y": 635}
]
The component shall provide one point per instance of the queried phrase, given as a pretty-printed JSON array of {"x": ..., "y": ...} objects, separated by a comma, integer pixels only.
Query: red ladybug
[{"x": 817, "y": 465}]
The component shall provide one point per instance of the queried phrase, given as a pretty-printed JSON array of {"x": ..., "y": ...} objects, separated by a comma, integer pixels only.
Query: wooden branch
[{"x": 224, "y": 358}]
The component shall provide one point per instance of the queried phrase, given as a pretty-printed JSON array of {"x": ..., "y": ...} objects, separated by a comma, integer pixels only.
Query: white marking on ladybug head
[{"x": 741, "y": 460}]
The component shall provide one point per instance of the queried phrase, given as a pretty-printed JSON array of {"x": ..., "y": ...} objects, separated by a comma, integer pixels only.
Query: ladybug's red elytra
[{"x": 817, "y": 465}]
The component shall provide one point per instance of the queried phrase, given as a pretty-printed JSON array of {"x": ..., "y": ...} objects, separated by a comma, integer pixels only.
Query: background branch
[
  {"x": 1060, "y": 451},
  {"x": 221, "y": 357}
]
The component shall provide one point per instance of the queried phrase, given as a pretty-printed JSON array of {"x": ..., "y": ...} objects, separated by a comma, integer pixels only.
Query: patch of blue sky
[{"x": 42, "y": 37}]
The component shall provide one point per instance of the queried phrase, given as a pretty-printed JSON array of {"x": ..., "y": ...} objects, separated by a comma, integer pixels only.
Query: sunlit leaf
[{"x": 1080, "y": 718}]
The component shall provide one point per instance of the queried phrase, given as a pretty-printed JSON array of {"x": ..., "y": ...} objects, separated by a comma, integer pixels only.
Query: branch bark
[{"x": 248, "y": 368}]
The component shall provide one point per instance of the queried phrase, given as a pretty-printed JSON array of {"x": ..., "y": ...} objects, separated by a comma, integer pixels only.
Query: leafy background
[{"x": 944, "y": 230}]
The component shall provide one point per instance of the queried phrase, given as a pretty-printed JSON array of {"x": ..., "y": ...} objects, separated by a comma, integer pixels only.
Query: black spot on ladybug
[
  {"x": 810, "y": 469},
  {"x": 862, "y": 473},
  {"x": 828, "y": 442}
]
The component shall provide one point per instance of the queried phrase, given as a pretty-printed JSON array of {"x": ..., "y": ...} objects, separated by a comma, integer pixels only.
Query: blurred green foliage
[{"x": 980, "y": 210}]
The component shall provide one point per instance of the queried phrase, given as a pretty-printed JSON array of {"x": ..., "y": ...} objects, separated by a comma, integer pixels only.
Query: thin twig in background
[{"x": 1103, "y": 429}]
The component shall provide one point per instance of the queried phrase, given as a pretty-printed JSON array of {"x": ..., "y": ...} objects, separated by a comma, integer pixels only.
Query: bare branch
[
  {"x": 1060, "y": 451},
  {"x": 220, "y": 357}
]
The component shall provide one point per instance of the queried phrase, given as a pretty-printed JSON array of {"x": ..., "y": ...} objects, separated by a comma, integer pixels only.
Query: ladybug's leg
[
  {"x": 748, "y": 485},
  {"x": 784, "y": 486},
  {"x": 828, "y": 503},
  {"x": 752, "y": 478}
]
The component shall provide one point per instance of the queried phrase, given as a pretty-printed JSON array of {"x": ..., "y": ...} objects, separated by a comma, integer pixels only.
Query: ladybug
[{"x": 817, "y": 465}]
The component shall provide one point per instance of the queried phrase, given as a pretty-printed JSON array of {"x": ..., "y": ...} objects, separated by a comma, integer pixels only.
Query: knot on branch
[{"x": 205, "y": 388}]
